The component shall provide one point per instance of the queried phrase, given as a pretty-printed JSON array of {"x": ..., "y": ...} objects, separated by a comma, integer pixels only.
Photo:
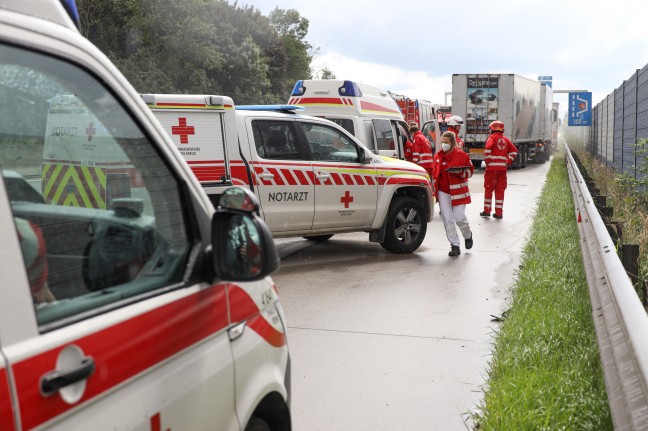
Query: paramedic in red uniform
[
  {"x": 454, "y": 125},
  {"x": 499, "y": 153},
  {"x": 419, "y": 151},
  {"x": 452, "y": 168}
]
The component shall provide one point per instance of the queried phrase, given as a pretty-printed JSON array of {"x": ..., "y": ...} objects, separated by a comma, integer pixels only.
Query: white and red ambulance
[
  {"x": 312, "y": 177},
  {"x": 129, "y": 302},
  {"x": 367, "y": 112}
]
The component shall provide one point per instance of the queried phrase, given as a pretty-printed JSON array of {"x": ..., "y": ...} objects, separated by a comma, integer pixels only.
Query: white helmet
[{"x": 455, "y": 120}]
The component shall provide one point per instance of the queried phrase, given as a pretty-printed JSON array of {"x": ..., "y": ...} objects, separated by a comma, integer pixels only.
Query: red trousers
[{"x": 494, "y": 181}]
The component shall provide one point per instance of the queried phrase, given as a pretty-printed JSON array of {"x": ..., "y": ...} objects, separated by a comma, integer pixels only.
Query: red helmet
[{"x": 496, "y": 126}]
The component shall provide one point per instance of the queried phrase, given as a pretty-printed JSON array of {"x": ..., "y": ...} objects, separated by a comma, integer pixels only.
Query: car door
[
  {"x": 106, "y": 319},
  {"x": 284, "y": 176},
  {"x": 346, "y": 188}
]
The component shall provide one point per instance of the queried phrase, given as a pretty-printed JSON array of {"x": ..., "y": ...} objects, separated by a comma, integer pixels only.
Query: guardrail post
[{"x": 630, "y": 261}]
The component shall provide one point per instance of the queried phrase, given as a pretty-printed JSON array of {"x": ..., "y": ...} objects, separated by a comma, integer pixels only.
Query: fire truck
[{"x": 429, "y": 117}]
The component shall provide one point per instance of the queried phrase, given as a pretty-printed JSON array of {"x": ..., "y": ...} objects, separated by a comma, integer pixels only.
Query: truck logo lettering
[
  {"x": 183, "y": 130},
  {"x": 346, "y": 199},
  {"x": 90, "y": 130},
  {"x": 288, "y": 197}
]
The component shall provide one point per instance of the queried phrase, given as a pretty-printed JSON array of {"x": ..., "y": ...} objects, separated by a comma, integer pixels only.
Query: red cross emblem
[
  {"x": 346, "y": 199},
  {"x": 90, "y": 130},
  {"x": 183, "y": 130}
]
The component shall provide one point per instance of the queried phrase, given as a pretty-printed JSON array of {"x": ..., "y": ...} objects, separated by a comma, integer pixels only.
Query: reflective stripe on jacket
[
  {"x": 498, "y": 152},
  {"x": 454, "y": 184}
]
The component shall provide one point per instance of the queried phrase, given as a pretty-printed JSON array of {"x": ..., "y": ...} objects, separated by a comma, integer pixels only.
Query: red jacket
[
  {"x": 499, "y": 152},
  {"x": 455, "y": 184},
  {"x": 419, "y": 151}
]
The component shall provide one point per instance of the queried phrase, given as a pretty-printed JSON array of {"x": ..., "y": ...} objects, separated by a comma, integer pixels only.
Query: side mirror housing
[{"x": 242, "y": 246}]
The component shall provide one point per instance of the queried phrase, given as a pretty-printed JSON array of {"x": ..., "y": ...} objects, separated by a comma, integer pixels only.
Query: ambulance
[
  {"x": 367, "y": 112},
  {"x": 312, "y": 177},
  {"x": 130, "y": 301}
]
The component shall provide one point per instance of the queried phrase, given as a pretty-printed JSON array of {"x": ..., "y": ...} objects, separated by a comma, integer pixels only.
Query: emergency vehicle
[
  {"x": 414, "y": 110},
  {"x": 430, "y": 118},
  {"x": 367, "y": 112},
  {"x": 312, "y": 177},
  {"x": 129, "y": 301}
]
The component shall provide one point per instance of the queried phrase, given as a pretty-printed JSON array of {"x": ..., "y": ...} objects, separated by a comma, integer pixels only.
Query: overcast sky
[{"x": 413, "y": 47}]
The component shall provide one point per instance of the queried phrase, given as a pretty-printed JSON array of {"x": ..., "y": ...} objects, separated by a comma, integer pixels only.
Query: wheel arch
[
  {"x": 419, "y": 193},
  {"x": 274, "y": 411}
]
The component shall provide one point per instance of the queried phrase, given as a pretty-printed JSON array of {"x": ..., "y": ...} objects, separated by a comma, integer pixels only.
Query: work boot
[
  {"x": 469, "y": 242},
  {"x": 484, "y": 214},
  {"x": 454, "y": 251},
  {"x": 498, "y": 215}
]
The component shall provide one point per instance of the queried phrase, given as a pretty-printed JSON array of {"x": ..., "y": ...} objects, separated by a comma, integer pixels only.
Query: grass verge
[{"x": 545, "y": 373}]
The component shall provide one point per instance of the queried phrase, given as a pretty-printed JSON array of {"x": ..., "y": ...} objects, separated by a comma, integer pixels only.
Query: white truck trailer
[{"x": 515, "y": 100}]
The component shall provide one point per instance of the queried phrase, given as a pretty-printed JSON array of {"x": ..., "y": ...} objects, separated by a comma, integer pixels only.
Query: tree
[
  {"x": 324, "y": 73},
  {"x": 201, "y": 46}
]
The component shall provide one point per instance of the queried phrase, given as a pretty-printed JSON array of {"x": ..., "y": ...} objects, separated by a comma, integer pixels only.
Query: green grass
[{"x": 545, "y": 373}]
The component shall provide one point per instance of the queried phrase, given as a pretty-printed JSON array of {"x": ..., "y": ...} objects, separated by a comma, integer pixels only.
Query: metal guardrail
[{"x": 620, "y": 320}]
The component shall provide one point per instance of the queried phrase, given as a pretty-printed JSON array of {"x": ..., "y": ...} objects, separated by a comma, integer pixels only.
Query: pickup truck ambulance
[
  {"x": 312, "y": 177},
  {"x": 129, "y": 302},
  {"x": 367, "y": 112}
]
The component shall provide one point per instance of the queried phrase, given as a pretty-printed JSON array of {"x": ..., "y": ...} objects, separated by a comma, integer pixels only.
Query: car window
[
  {"x": 384, "y": 134},
  {"x": 345, "y": 123},
  {"x": 276, "y": 140},
  {"x": 329, "y": 144},
  {"x": 98, "y": 213}
]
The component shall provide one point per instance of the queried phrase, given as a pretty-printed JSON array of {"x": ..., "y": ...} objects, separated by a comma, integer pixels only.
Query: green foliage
[
  {"x": 324, "y": 73},
  {"x": 201, "y": 46},
  {"x": 545, "y": 373},
  {"x": 635, "y": 187}
]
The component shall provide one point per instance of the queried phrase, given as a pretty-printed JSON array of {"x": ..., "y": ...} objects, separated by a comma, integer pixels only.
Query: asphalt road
[{"x": 401, "y": 342}]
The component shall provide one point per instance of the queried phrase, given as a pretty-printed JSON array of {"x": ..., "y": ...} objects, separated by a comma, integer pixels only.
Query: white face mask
[{"x": 445, "y": 146}]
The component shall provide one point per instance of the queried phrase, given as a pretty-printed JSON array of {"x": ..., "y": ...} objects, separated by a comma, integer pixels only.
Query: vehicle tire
[
  {"x": 318, "y": 238},
  {"x": 406, "y": 226},
  {"x": 525, "y": 158},
  {"x": 257, "y": 424},
  {"x": 477, "y": 163}
]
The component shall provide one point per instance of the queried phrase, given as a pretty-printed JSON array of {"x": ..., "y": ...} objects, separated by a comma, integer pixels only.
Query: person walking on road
[
  {"x": 454, "y": 125},
  {"x": 419, "y": 150},
  {"x": 499, "y": 154},
  {"x": 451, "y": 170}
]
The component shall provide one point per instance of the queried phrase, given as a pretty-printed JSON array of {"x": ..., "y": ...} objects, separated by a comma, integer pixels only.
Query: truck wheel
[
  {"x": 318, "y": 238},
  {"x": 406, "y": 226},
  {"x": 525, "y": 158},
  {"x": 477, "y": 163}
]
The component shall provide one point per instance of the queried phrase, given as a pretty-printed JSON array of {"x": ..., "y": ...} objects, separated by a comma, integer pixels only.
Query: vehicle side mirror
[
  {"x": 242, "y": 246},
  {"x": 238, "y": 198},
  {"x": 364, "y": 156}
]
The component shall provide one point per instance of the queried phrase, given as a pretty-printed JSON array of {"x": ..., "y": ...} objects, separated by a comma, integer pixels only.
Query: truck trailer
[{"x": 519, "y": 102}]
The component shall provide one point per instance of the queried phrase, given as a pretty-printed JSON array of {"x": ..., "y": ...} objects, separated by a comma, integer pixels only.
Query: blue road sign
[
  {"x": 546, "y": 80},
  {"x": 580, "y": 109}
]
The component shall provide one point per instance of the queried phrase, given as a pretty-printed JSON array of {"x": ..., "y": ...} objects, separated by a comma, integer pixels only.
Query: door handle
[
  {"x": 266, "y": 175},
  {"x": 236, "y": 331},
  {"x": 55, "y": 380},
  {"x": 323, "y": 176}
]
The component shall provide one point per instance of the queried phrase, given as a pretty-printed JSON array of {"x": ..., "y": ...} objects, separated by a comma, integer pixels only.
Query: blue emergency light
[
  {"x": 350, "y": 89},
  {"x": 298, "y": 89},
  {"x": 71, "y": 9}
]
